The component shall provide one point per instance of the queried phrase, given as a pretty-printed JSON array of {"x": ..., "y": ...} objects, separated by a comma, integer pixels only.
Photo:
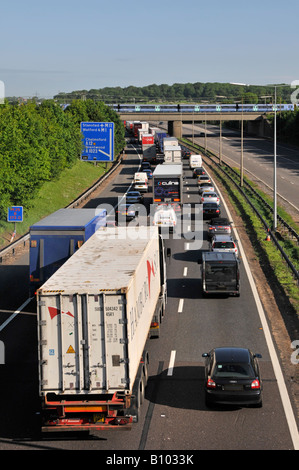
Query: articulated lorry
[
  {"x": 148, "y": 148},
  {"x": 95, "y": 315},
  {"x": 57, "y": 237},
  {"x": 172, "y": 154},
  {"x": 168, "y": 184}
]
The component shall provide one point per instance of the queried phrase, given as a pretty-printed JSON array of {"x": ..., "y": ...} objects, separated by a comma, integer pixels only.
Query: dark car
[
  {"x": 145, "y": 165},
  {"x": 210, "y": 210},
  {"x": 185, "y": 153},
  {"x": 232, "y": 376},
  {"x": 125, "y": 212},
  {"x": 148, "y": 172},
  {"x": 134, "y": 197},
  {"x": 199, "y": 171},
  {"x": 219, "y": 226}
]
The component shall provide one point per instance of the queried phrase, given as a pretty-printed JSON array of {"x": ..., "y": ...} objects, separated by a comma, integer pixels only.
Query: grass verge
[
  {"x": 54, "y": 195},
  {"x": 266, "y": 251}
]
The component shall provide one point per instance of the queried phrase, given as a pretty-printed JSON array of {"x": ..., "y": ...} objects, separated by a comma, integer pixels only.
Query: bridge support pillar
[
  {"x": 175, "y": 129},
  {"x": 260, "y": 127}
]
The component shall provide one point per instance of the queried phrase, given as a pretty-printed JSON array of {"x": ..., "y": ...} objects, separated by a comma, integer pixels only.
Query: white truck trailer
[
  {"x": 172, "y": 154},
  {"x": 95, "y": 315}
]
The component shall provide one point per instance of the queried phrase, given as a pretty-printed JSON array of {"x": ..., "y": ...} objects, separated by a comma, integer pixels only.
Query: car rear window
[
  {"x": 223, "y": 245},
  {"x": 233, "y": 371}
]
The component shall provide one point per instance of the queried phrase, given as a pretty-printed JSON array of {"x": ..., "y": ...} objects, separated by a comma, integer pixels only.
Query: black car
[
  {"x": 219, "y": 226},
  {"x": 185, "y": 153},
  {"x": 210, "y": 210},
  {"x": 145, "y": 165},
  {"x": 199, "y": 171},
  {"x": 232, "y": 376}
]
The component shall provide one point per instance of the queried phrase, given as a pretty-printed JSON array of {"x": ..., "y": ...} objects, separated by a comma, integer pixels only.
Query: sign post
[
  {"x": 98, "y": 141},
  {"x": 15, "y": 214}
]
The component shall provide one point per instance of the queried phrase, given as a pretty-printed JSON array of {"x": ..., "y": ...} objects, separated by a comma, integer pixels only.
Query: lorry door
[
  {"x": 116, "y": 340},
  {"x": 60, "y": 342},
  {"x": 83, "y": 343}
]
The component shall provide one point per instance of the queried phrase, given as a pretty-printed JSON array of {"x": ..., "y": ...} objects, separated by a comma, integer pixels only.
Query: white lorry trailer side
[{"x": 94, "y": 317}]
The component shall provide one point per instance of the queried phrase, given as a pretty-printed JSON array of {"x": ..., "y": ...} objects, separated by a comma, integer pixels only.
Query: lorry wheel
[
  {"x": 145, "y": 367},
  {"x": 137, "y": 404}
]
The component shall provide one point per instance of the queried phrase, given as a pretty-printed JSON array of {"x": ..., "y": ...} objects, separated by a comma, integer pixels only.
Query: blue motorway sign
[
  {"x": 15, "y": 214},
  {"x": 98, "y": 141}
]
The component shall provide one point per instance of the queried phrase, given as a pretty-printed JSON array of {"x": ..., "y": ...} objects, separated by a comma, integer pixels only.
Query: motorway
[
  {"x": 174, "y": 415},
  {"x": 258, "y": 156}
]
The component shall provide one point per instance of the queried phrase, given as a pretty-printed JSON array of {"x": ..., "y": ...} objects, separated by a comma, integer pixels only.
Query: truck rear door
[{"x": 82, "y": 343}]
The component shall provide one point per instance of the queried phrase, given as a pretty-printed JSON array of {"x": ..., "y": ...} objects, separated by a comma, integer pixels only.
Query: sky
[{"x": 68, "y": 45}]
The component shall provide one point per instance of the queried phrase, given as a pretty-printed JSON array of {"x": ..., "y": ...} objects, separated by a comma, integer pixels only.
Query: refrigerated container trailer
[
  {"x": 57, "y": 237},
  {"x": 95, "y": 315},
  {"x": 168, "y": 184},
  {"x": 168, "y": 141},
  {"x": 148, "y": 148},
  {"x": 172, "y": 154}
]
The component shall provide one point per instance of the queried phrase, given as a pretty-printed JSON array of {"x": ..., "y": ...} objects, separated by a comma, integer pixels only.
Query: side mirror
[
  {"x": 259, "y": 356},
  {"x": 205, "y": 355}
]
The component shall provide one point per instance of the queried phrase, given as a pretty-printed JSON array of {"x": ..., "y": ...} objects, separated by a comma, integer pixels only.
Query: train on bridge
[{"x": 201, "y": 108}]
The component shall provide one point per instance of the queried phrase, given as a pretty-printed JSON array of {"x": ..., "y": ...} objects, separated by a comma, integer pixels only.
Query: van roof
[{"x": 220, "y": 257}]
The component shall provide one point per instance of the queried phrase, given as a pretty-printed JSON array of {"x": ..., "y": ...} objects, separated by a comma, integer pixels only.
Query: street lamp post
[
  {"x": 275, "y": 158},
  {"x": 274, "y": 172},
  {"x": 242, "y": 136}
]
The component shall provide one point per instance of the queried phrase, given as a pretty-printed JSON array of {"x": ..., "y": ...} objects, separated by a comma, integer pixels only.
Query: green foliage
[
  {"x": 181, "y": 92},
  {"x": 39, "y": 142},
  {"x": 287, "y": 126}
]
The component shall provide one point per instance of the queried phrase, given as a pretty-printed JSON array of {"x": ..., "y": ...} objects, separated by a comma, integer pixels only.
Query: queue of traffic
[{"x": 81, "y": 387}]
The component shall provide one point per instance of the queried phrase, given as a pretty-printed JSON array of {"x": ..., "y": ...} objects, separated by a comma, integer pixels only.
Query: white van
[
  {"x": 195, "y": 161},
  {"x": 165, "y": 216},
  {"x": 141, "y": 182}
]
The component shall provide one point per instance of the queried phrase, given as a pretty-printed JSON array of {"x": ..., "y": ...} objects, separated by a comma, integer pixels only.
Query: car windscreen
[{"x": 233, "y": 371}]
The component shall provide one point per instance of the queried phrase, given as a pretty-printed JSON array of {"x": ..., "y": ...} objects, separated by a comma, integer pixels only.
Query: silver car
[
  {"x": 224, "y": 243},
  {"x": 209, "y": 196},
  {"x": 205, "y": 187}
]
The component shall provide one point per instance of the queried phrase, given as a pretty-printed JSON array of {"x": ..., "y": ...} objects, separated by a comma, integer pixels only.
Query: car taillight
[
  {"x": 255, "y": 384},
  {"x": 211, "y": 383}
]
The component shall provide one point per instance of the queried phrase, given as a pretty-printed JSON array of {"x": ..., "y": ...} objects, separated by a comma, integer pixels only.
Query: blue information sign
[
  {"x": 98, "y": 141},
  {"x": 15, "y": 214}
]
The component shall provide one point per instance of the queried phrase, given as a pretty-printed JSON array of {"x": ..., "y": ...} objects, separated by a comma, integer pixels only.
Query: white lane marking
[
  {"x": 15, "y": 314},
  {"x": 288, "y": 410},
  {"x": 185, "y": 272},
  {"x": 181, "y": 305},
  {"x": 171, "y": 363}
]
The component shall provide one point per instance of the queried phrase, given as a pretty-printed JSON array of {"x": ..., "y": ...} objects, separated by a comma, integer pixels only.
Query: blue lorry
[{"x": 56, "y": 237}]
